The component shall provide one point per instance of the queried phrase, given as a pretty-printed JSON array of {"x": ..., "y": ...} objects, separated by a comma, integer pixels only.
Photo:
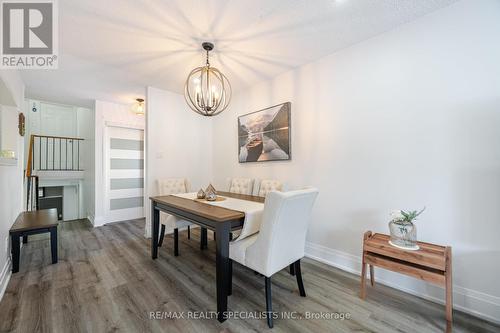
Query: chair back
[
  {"x": 172, "y": 186},
  {"x": 240, "y": 185},
  {"x": 267, "y": 185},
  {"x": 282, "y": 236}
]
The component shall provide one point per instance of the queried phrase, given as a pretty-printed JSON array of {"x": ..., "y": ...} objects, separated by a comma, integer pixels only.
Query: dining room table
[{"x": 231, "y": 212}]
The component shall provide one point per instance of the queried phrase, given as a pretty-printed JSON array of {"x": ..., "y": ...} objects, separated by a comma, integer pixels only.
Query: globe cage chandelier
[{"x": 207, "y": 91}]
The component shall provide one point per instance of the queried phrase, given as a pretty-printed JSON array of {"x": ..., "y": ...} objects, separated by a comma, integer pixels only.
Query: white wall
[
  {"x": 408, "y": 119},
  {"x": 178, "y": 143},
  {"x": 86, "y": 130},
  {"x": 107, "y": 113},
  {"x": 11, "y": 183},
  {"x": 8, "y": 133}
]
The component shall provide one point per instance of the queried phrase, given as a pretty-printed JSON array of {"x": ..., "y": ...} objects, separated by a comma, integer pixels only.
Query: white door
[
  {"x": 57, "y": 120},
  {"x": 124, "y": 174}
]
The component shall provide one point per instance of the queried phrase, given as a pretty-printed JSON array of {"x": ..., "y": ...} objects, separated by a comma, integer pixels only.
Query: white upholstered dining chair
[
  {"x": 264, "y": 186},
  {"x": 240, "y": 185},
  {"x": 167, "y": 187},
  {"x": 280, "y": 241}
]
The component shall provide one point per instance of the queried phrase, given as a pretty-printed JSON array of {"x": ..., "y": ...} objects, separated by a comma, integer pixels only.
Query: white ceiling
[{"x": 113, "y": 49}]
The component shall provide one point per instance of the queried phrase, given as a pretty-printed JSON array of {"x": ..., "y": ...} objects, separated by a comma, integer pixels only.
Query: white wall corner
[
  {"x": 470, "y": 301},
  {"x": 5, "y": 275},
  {"x": 98, "y": 221}
]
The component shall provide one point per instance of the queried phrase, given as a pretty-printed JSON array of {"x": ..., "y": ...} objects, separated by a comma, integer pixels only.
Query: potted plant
[{"x": 403, "y": 230}]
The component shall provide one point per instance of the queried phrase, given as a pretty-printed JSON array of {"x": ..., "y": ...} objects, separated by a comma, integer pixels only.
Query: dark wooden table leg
[
  {"x": 53, "y": 244},
  {"x": 204, "y": 238},
  {"x": 222, "y": 269},
  {"x": 15, "y": 248},
  {"x": 176, "y": 242},
  {"x": 230, "y": 279},
  {"x": 25, "y": 239},
  {"x": 201, "y": 237},
  {"x": 155, "y": 228}
]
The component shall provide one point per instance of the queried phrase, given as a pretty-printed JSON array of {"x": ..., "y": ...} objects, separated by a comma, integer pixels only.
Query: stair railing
[
  {"x": 32, "y": 202},
  {"x": 53, "y": 153}
]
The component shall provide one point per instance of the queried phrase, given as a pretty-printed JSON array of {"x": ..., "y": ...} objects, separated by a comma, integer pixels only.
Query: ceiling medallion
[{"x": 207, "y": 91}]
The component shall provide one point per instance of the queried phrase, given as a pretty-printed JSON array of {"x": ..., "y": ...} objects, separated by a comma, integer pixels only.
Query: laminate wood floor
[{"x": 105, "y": 281}]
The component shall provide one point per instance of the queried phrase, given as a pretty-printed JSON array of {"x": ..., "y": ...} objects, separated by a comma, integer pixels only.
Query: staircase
[{"x": 52, "y": 161}]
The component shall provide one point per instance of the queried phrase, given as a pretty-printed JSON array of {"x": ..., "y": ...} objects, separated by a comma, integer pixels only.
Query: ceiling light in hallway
[{"x": 139, "y": 106}]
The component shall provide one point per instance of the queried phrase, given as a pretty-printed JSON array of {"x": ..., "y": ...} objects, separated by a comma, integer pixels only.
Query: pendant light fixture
[
  {"x": 138, "y": 107},
  {"x": 207, "y": 91}
]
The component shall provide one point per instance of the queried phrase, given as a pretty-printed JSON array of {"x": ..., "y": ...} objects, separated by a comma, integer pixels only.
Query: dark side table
[{"x": 31, "y": 223}]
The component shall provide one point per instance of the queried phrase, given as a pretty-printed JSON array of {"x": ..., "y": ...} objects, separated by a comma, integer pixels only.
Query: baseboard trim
[
  {"x": 473, "y": 302},
  {"x": 5, "y": 277},
  {"x": 101, "y": 221}
]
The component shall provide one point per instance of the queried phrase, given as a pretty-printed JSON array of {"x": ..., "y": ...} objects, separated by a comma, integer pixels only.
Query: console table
[
  {"x": 31, "y": 223},
  {"x": 431, "y": 263}
]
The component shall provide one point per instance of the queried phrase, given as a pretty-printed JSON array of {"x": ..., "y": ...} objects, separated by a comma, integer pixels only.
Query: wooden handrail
[
  {"x": 30, "y": 156},
  {"x": 56, "y": 137}
]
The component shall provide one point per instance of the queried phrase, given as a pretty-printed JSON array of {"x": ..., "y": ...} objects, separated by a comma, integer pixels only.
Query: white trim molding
[
  {"x": 5, "y": 275},
  {"x": 470, "y": 301}
]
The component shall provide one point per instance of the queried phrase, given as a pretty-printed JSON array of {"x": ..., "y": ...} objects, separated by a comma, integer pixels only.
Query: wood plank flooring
[{"x": 105, "y": 281}]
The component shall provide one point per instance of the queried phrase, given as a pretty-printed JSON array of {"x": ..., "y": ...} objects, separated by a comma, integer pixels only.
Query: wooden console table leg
[
  {"x": 372, "y": 276},
  {"x": 449, "y": 288},
  {"x": 363, "y": 267},
  {"x": 363, "y": 277}
]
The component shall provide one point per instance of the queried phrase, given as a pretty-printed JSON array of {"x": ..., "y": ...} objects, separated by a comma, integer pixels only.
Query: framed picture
[{"x": 264, "y": 135}]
